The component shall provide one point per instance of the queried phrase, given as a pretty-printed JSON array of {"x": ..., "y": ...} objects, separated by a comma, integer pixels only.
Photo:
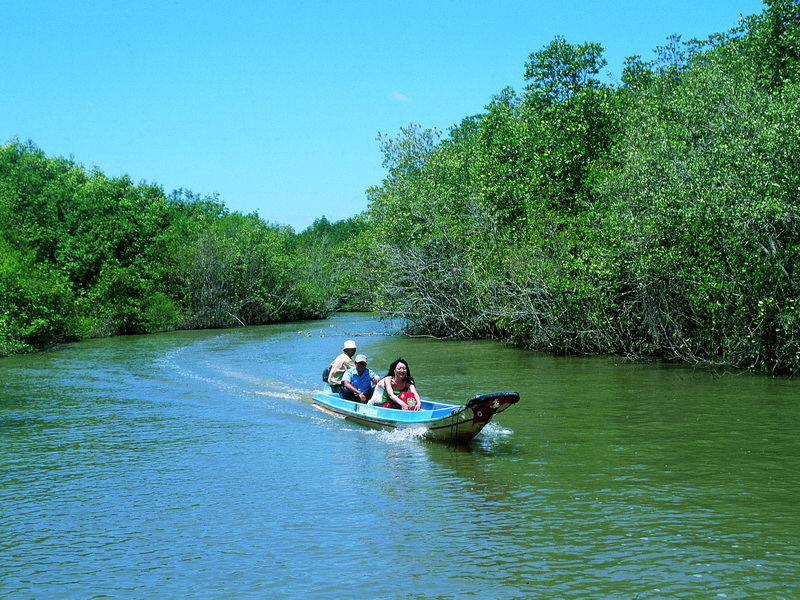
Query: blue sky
[{"x": 275, "y": 106}]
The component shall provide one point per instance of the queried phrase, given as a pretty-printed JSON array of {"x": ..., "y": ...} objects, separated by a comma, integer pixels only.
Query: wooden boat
[{"x": 449, "y": 422}]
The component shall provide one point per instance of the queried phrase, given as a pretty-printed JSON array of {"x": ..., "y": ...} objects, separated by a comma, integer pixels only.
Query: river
[{"x": 192, "y": 465}]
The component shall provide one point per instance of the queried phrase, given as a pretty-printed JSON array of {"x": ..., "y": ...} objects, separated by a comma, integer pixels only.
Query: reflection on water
[{"x": 193, "y": 465}]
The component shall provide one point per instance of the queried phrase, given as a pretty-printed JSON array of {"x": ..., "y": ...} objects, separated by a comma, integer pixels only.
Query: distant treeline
[
  {"x": 655, "y": 218},
  {"x": 82, "y": 256}
]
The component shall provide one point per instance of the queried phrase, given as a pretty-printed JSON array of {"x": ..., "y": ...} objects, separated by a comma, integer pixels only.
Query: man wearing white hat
[
  {"x": 340, "y": 364},
  {"x": 359, "y": 381}
]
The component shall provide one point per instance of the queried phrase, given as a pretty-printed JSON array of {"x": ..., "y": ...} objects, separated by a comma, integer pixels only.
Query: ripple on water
[{"x": 193, "y": 465}]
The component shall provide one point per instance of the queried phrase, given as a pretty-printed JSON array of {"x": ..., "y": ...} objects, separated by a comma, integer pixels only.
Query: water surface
[{"x": 192, "y": 465}]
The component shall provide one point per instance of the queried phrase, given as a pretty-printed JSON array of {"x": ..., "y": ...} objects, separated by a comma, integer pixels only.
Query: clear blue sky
[{"x": 275, "y": 106}]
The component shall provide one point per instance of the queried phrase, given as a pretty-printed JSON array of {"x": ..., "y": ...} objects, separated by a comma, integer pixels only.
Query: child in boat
[{"x": 397, "y": 389}]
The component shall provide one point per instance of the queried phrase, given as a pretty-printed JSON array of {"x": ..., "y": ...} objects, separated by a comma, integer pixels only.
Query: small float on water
[{"x": 448, "y": 422}]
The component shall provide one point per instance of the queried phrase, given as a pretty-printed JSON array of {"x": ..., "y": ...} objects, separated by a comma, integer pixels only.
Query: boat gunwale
[
  {"x": 441, "y": 417},
  {"x": 389, "y": 416}
]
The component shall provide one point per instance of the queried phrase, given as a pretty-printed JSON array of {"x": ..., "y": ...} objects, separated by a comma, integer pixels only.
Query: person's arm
[
  {"x": 394, "y": 397},
  {"x": 347, "y": 383},
  {"x": 362, "y": 397},
  {"x": 413, "y": 389}
]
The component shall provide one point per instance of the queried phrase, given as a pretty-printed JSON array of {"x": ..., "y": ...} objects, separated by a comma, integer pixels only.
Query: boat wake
[
  {"x": 404, "y": 434},
  {"x": 495, "y": 430},
  {"x": 281, "y": 394}
]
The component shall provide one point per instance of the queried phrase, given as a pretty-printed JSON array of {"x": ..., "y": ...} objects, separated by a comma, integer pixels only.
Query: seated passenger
[
  {"x": 397, "y": 389},
  {"x": 340, "y": 364},
  {"x": 359, "y": 381}
]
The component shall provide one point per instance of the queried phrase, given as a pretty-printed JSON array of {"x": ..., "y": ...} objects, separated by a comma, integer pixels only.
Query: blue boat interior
[{"x": 428, "y": 408}]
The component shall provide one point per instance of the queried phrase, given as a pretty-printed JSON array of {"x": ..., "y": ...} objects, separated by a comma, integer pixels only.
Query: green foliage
[
  {"x": 84, "y": 255},
  {"x": 658, "y": 218},
  {"x": 160, "y": 313},
  {"x": 562, "y": 71},
  {"x": 35, "y": 302},
  {"x": 708, "y": 200},
  {"x": 773, "y": 42},
  {"x": 337, "y": 265}
]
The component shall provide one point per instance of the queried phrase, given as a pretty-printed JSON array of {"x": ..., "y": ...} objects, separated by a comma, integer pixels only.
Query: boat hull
[{"x": 448, "y": 422}]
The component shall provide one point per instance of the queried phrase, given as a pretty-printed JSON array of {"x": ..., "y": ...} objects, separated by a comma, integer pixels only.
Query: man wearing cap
[
  {"x": 340, "y": 364},
  {"x": 359, "y": 381}
]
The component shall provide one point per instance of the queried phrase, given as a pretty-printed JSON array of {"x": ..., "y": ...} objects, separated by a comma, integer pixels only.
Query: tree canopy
[{"x": 655, "y": 218}]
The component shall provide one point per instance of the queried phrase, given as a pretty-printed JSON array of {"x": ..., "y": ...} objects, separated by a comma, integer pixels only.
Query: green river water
[{"x": 192, "y": 465}]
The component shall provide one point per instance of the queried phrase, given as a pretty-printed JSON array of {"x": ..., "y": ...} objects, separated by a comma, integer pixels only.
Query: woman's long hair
[{"x": 393, "y": 366}]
